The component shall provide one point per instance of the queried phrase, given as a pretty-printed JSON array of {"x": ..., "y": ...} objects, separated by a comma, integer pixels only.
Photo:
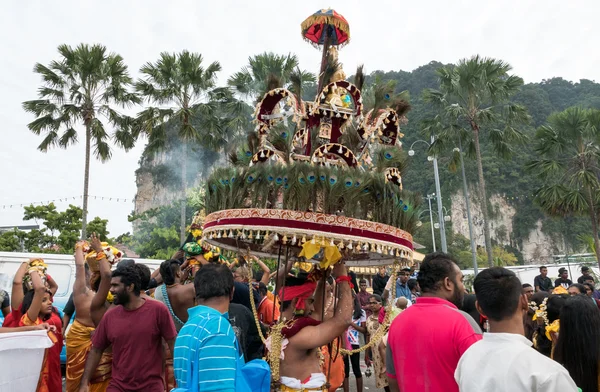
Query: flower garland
[
  {"x": 383, "y": 327},
  {"x": 541, "y": 311}
]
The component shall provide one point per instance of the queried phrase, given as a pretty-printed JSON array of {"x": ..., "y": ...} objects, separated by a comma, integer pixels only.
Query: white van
[{"x": 60, "y": 267}]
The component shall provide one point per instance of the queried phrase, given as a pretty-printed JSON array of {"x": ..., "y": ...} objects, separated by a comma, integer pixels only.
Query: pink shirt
[{"x": 425, "y": 344}]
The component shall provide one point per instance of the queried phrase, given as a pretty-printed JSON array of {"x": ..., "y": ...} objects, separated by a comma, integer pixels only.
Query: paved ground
[{"x": 368, "y": 382}]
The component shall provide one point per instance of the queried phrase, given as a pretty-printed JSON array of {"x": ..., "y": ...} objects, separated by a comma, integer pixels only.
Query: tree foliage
[
  {"x": 475, "y": 95},
  {"x": 84, "y": 87},
  {"x": 58, "y": 233},
  {"x": 267, "y": 71},
  {"x": 568, "y": 162}
]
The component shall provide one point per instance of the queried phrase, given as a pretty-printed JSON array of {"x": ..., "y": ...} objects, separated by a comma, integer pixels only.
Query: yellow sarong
[{"x": 79, "y": 344}]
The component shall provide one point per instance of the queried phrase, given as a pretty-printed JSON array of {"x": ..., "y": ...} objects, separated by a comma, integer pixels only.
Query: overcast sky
[{"x": 541, "y": 39}]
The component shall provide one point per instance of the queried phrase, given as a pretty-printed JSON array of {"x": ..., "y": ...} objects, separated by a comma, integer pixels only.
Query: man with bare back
[
  {"x": 305, "y": 333},
  {"x": 176, "y": 296},
  {"x": 79, "y": 341}
]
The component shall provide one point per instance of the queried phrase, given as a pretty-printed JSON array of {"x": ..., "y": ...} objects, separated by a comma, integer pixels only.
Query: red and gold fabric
[
  {"x": 50, "y": 375},
  {"x": 79, "y": 344}
]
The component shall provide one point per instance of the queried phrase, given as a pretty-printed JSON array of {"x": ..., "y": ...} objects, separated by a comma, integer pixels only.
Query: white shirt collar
[{"x": 502, "y": 336}]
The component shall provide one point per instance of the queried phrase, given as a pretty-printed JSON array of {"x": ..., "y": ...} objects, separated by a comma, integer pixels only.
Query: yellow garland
[
  {"x": 252, "y": 304},
  {"x": 382, "y": 329}
]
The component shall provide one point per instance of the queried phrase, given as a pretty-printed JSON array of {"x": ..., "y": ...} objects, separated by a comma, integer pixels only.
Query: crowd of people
[{"x": 190, "y": 326}]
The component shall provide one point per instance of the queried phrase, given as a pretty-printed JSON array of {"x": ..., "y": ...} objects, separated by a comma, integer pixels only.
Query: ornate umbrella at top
[{"x": 326, "y": 28}]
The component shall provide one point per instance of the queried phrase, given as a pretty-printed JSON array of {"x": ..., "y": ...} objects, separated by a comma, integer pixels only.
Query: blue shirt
[
  {"x": 208, "y": 341},
  {"x": 402, "y": 290}
]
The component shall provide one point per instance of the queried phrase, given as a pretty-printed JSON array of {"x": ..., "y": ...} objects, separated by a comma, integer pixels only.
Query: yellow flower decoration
[
  {"x": 331, "y": 256},
  {"x": 110, "y": 298},
  {"x": 560, "y": 290},
  {"x": 197, "y": 233},
  {"x": 554, "y": 327}
]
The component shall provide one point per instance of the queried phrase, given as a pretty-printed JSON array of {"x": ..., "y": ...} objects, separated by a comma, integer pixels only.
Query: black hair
[
  {"x": 125, "y": 263},
  {"x": 585, "y": 268},
  {"x": 129, "y": 276},
  {"x": 542, "y": 267},
  {"x": 213, "y": 281},
  {"x": 262, "y": 288},
  {"x": 526, "y": 285},
  {"x": 357, "y": 309},
  {"x": 561, "y": 270},
  {"x": 28, "y": 300},
  {"x": 554, "y": 305},
  {"x": 144, "y": 272},
  {"x": 362, "y": 281},
  {"x": 590, "y": 286},
  {"x": 578, "y": 345},
  {"x": 168, "y": 270},
  {"x": 257, "y": 275},
  {"x": 412, "y": 284},
  {"x": 538, "y": 297},
  {"x": 498, "y": 292},
  {"x": 579, "y": 287},
  {"x": 434, "y": 269},
  {"x": 468, "y": 306},
  {"x": 587, "y": 278},
  {"x": 376, "y": 296}
]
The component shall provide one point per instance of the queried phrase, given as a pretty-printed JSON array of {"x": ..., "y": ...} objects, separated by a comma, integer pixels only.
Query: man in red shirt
[
  {"x": 426, "y": 342},
  {"x": 135, "y": 330}
]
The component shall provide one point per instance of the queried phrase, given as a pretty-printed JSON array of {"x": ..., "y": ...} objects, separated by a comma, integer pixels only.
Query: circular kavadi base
[{"x": 362, "y": 243}]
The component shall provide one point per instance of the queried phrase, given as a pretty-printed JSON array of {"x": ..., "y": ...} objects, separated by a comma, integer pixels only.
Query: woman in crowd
[
  {"x": 37, "y": 309},
  {"x": 359, "y": 318},
  {"x": 589, "y": 291},
  {"x": 414, "y": 288},
  {"x": 378, "y": 361},
  {"x": 19, "y": 289},
  {"x": 546, "y": 335},
  {"x": 578, "y": 344}
]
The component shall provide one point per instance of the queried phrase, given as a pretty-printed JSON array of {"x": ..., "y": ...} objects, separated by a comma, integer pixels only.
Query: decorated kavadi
[{"x": 318, "y": 179}]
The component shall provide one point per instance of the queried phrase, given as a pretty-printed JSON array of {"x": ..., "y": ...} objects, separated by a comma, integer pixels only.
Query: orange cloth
[
  {"x": 79, "y": 344},
  {"x": 265, "y": 311},
  {"x": 273, "y": 298},
  {"x": 337, "y": 374}
]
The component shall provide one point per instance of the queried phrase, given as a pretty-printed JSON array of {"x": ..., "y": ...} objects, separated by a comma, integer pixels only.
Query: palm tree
[
  {"x": 267, "y": 71},
  {"x": 475, "y": 95},
  {"x": 185, "y": 94},
  {"x": 83, "y": 87},
  {"x": 569, "y": 163}
]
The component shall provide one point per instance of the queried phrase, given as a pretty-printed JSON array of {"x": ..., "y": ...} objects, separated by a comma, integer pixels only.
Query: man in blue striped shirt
[{"x": 206, "y": 352}]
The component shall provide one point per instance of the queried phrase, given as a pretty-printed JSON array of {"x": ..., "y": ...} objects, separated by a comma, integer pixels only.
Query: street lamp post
[
  {"x": 429, "y": 197},
  {"x": 436, "y": 225},
  {"x": 438, "y": 192}
]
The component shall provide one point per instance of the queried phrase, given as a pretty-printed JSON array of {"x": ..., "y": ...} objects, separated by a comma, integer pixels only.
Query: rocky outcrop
[{"x": 537, "y": 247}]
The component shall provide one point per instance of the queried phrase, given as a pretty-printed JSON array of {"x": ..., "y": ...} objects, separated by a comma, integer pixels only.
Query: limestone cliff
[{"x": 537, "y": 247}]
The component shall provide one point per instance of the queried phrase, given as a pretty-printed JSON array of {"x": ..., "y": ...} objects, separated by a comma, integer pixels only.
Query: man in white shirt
[{"x": 504, "y": 360}]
